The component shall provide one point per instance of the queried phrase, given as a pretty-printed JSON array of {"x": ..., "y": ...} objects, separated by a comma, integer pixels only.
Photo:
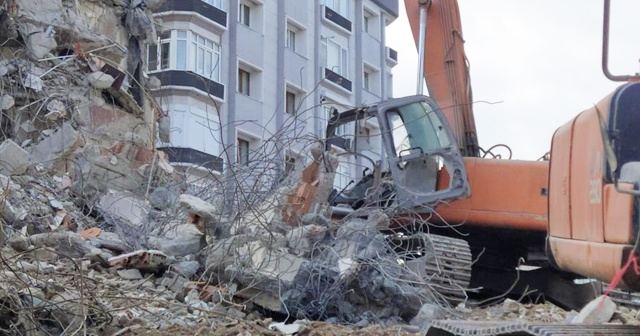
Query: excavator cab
[
  {"x": 419, "y": 165},
  {"x": 594, "y": 188}
]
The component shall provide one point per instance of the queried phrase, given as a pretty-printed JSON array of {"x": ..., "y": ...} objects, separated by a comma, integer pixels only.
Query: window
[
  {"x": 290, "y": 103},
  {"x": 366, "y": 77},
  {"x": 340, "y": 6},
  {"x": 335, "y": 57},
  {"x": 244, "y": 82},
  {"x": 158, "y": 55},
  {"x": 365, "y": 23},
  {"x": 291, "y": 39},
  {"x": 214, "y": 3},
  {"x": 205, "y": 57},
  {"x": 371, "y": 23},
  {"x": 244, "y": 14},
  {"x": 243, "y": 151},
  {"x": 192, "y": 51}
]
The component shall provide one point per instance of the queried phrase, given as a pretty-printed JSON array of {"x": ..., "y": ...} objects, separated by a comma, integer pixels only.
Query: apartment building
[{"x": 236, "y": 72}]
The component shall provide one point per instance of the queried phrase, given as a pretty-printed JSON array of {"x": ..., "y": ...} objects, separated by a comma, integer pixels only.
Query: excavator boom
[{"x": 446, "y": 69}]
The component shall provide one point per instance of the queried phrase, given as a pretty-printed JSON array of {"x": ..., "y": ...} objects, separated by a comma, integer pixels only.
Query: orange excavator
[{"x": 581, "y": 206}]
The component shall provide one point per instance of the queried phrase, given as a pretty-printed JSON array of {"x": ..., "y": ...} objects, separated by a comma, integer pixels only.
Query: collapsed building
[{"x": 86, "y": 196}]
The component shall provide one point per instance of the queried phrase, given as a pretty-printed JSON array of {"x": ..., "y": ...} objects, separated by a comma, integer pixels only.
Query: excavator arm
[{"x": 446, "y": 69}]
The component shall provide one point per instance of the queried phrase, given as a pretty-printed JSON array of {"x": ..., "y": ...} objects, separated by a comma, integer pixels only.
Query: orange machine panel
[
  {"x": 559, "y": 187},
  {"x": 618, "y": 213},
  {"x": 586, "y": 178},
  {"x": 504, "y": 194},
  {"x": 596, "y": 260}
]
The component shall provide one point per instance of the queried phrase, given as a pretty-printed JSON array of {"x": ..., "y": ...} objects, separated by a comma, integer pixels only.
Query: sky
[{"x": 534, "y": 64}]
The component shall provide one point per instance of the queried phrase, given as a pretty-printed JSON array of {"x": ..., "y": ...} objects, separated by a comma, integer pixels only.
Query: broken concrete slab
[
  {"x": 69, "y": 244},
  {"x": 39, "y": 45},
  {"x": 6, "y": 102},
  {"x": 13, "y": 159},
  {"x": 126, "y": 206},
  {"x": 100, "y": 80},
  {"x": 57, "y": 146},
  {"x": 598, "y": 311},
  {"x": 302, "y": 239},
  {"x": 204, "y": 215},
  {"x": 130, "y": 274}
]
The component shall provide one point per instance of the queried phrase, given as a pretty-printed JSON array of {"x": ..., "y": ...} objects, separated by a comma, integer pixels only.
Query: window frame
[
  {"x": 343, "y": 56},
  {"x": 214, "y": 3},
  {"x": 291, "y": 107},
  {"x": 244, "y": 13},
  {"x": 244, "y": 87},
  {"x": 291, "y": 31},
  {"x": 185, "y": 48},
  {"x": 243, "y": 156}
]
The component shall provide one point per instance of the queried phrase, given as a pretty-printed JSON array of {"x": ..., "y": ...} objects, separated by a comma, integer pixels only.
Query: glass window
[
  {"x": 291, "y": 39},
  {"x": 336, "y": 58},
  {"x": 214, "y": 3},
  {"x": 365, "y": 24},
  {"x": 244, "y": 82},
  {"x": 417, "y": 126},
  {"x": 290, "y": 103},
  {"x": 201, "y": 56},
  {"x": 243, "y": 151},
  {"x": 365, "y": 80},
  {"x": 340, "y": 6},
  {"x": 244, "y": 14},
  {"x": 343, "y": 176}
]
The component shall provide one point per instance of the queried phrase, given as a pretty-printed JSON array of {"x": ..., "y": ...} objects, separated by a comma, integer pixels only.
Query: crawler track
[
  {"x": 450, "y": 272},
  {"x": 463, "y": 328}
]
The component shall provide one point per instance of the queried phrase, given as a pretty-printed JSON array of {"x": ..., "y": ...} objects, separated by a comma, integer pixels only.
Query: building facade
[{"x": 235, "y": 73}]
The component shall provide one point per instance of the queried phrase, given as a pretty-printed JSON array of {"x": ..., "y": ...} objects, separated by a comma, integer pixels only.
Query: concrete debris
[
  {"x": 13, "y": 159},
  {"x": 39, "y": 45},
  {"x": 100, "y": 80},
  {"x": 130, "y": 274},
  {"x": 598, "y": 311},
  {"x": 6, "y": 102},
  {"x": 205, "y": 216}
]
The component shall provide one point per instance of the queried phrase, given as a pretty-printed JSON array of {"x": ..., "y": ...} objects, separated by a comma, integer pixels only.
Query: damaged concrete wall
[{"x": 73, "y": 94}]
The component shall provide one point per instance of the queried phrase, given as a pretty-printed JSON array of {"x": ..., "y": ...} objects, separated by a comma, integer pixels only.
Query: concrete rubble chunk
[
  {"x": 598, "y": 311},
  {"x": 427, "y": 314},
  {"x": 130, "y": 274},
  {"x": 13, "y": 159},
  {"x": 180, "y": 241},
  {"x": 69, "y": 244},
  {"x": 126, "y": 206},
  {"x": 6, "y": 102},
  {"x": 58, "y": 145},
  {"x": 145, "y": 260},
  {"x": 100, "y": 80},
  {"x": 40, "y": 44},
  {"x": 204, "y": 215}
]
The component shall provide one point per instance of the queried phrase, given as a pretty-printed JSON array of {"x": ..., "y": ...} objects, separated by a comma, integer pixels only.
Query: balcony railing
[
  {"x": 336, "y": 18},
  {"x": 338, "y": 79},
  {"x": 212, "y": 13},
  {"x": 191, "y": 79},
  {"x": 193, "y": 157}
]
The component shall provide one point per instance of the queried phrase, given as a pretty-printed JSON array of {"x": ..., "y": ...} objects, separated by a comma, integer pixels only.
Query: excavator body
[{"x": 594, "y": 182}]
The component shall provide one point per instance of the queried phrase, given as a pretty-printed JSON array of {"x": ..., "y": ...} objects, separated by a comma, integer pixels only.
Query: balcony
[
  {"x": 338, "y": 79},
  {"x": 197, "y": 6},
  {"x": 193, "y": 157},
  {"x": 390, "y": 6},
  {"x": 190, "y": 79},
  {"x": 392, "y": 56},
  {"x": 337, "y": 19}
]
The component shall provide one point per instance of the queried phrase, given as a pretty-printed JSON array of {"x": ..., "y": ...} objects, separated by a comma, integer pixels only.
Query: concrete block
[
  {"x": 125, "y": 205},
  {"x": 100, "y": 80},
  {"x": 56, "y": 146},
  {"x": 13, "y": 159}
]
